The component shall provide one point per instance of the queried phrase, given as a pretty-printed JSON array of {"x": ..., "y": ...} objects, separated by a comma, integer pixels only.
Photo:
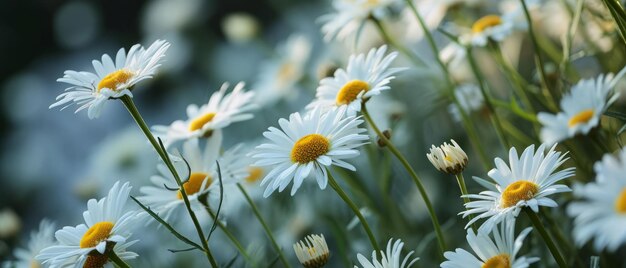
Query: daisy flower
[
  {"x": 40, "y": 239},
  {"x": 490, "y": 27},
  {"x": 221, "y": 110},
  {"x": 312, "y": 252},
  {"x": 501, "y": 251},
  {"x": 365, "y": 76},
  {"x": 390, "y": 259},
  {"x": 350, "y": 15},
  {"x": 308, "y": 146},
  {"x": 470, "y": 99},
  {"x": 601, "y": 216},
  {"x": 203, "y": 177},
  {"x": 526, "y": 182},
  {"x": 107, "y": 227},
  {"x": 112, "y": 79},
  {"x": 448, "y": 158},
  {"x": 278, "y": 77},
  {"x": 581, "y": 108}
]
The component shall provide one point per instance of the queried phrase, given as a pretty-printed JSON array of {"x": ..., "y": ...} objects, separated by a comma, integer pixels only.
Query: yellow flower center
[
  {"x": 34, "y": 264},
  {"x": 200, "y": 121},
  {"x": 285, "y": 73},
  {"x": 498, "y": 261},
  {"x": 350, "y": 91},
  {"x": 620, "y": 202},
  {"x": 96, "y": 234},
  {"x": 112, "y": 80},
  {"x": 255, "y": 174},
  {"x": 95, "y": 260},
  {"x": 447, "y": 157},
  {"x": 309, "y": 148},
  {"x": 579, "y": 118},
  {"x": 518, "y": 191},
  {"x": 194, "y": 183},
  {"x": 486, "y": 22}
]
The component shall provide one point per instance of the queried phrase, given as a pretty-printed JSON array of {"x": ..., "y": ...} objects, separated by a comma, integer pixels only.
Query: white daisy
[
  {"x": 312, "y": 252},
  {"x": 221, "y": 110},
  {"x": 501, "y": 251},
  {"x": 203, "y": 177},
  {"x": 307, "y": 146},
  {"x": 470, "y": 99},
  {"x": 112, "y": 79},
  {"x": 448, "y": 158},
  {"x": 278, "y": 77},
  {"x": 349, "y": 16},
  {"x": 581, "y": 108},
  {"x": 602, "y": 215},
  {"x": 390, "y": 259},
  {"x": 490, "y": 27},
  {"x": 107, "y": 227},
  {"x": 40, "y": 239},
  {"x": 365, "y": 76},
  {"x": 526, "y": 182}
]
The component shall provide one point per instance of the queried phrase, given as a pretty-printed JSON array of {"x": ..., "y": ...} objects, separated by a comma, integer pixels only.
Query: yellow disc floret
[
  {"x": 96, "y": 234},
  {"x": 486, "y": 22},
  {"x": 579, "y": 118},
  {"x": 309, "y": 148},
  {"x": 194, "y": 183},
  {"x": 498, "y": 261},
  {"x": 350, "y": 91},
  {"x": 518, "y": 191},
  {"x": 255, "y": 174},
  {"x": 200, "y": 121},
  {"x": 112, "y": 80},
  {"x": 620, "y": 202}
]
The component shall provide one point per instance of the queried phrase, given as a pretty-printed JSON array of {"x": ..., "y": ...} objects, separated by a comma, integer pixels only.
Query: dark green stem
[
  {"x": 546, "y": 237},
  {"x": 264, "y": 224},
  {"x": 404, "y": 50},
  {"x": 116, "y": 259},
  {"x": 132, "y": 109}
]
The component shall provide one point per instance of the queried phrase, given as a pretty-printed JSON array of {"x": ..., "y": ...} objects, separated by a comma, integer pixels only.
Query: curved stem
[
  {"x": 461, "y": 182},
  {"x": 333, "y": 183},
  {"x": 264, "y": 224},
  {"x": 546, "y": 237},
  {"x": 116, "y": 259},
  {"x": 416, "y": 179},
  {"x": 404, "y": 50},
  {"x": 132, "y": 109},
  {"x": 230, "y": 235}
]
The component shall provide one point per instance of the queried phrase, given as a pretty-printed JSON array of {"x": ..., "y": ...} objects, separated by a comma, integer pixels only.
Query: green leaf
[{"x": 618, "y": 115}]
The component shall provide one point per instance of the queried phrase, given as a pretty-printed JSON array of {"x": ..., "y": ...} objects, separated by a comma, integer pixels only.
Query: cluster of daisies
[{"x": 325, "y": 136}]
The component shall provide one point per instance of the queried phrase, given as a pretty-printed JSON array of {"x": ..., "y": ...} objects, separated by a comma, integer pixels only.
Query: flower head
[
  {"x": 308, "y": 146},
  {"x": 40, "y": 239},
  {"x": 113, "y": 79},
  {"x": 390, "y": 259},
  {"x": 203, "y": 177},
  {"x": 312, "y": 252},
  {"x": 470, "y": 100},
  {"x": 365, "y": 76},
  {"x": 526, "y": 182},
  {"x": 581, "y": 108},
  {"x": 107, "y": 226},
  {"x": 499, "y": 252},
  {"x": 601, "y": 216},
  {"x": 221, "y": 110},
  {"x": 448, "y": 158},
  {"x": 489, "y": 27},
  {"x": 349, "y": 15}
]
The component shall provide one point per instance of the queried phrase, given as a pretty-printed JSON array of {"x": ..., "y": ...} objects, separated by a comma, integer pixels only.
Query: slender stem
[
  {"x": 461, "y": 181},
  {"x": 116, "y": 259},
  {"x": 416, "y": 179},
  {"x": 404, "y": 50},
  {"x": 469, "y": 126},
  {"x": 132, "y": 109},
  {"x": 546, "y": 237},
  {"x": 230, "y": 235},
  {"x": 264, "y": 224},
  {"x": 494, "y": 116}
]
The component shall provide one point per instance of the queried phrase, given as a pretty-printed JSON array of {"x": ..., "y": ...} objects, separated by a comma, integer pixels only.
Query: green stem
[
  {"x": 413, "y": 175},
  {"x": 404, "y": 50},
  {"x": 132, "y": 109},
  {"x": 333, "y": 183},
  {"x": 469, "y": 126},
  {"x": 264, "y": 224},
  {"x": 461, "y": 181},
  {"x": 494, "y": 115},
  {"x": 546, "y": 237},
  {"x": 116, "y": 259},
  {"x": 230, "y": 235},
  {"x": 619, "y": 15}
]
